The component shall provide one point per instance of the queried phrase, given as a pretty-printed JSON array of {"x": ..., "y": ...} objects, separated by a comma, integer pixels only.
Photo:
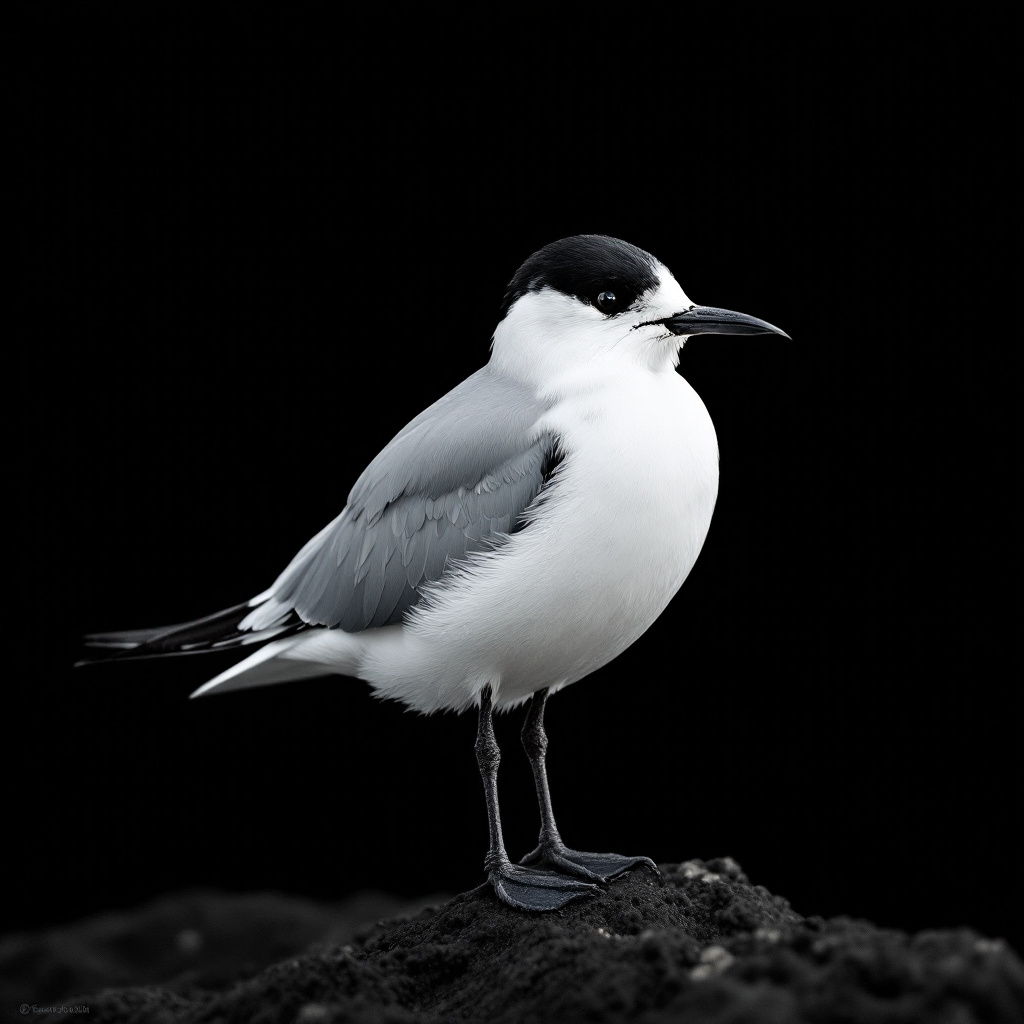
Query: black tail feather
[{"x": 213, "y": 633}]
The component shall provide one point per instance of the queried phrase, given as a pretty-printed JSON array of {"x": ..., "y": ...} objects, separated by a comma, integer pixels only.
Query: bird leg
[
  {"x": 521, "y": 887},
  {"x": 552, "y": 852}
]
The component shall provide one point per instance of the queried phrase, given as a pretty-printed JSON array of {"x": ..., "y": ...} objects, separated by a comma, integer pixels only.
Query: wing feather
[{"x": 457, "y": 479}]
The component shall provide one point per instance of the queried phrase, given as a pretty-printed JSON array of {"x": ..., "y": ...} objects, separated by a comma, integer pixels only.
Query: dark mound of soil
[
  {"x": 700, "y": 944},
  {"x": 189, "y": 941}
]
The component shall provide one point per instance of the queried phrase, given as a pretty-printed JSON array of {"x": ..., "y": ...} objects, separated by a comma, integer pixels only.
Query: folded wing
[{"x": 457, "y": 479}]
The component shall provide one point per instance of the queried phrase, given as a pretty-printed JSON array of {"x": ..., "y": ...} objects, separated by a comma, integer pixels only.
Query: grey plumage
[
  {"x": 591, "y": 330},
  {"x": 427, "y": 499}
]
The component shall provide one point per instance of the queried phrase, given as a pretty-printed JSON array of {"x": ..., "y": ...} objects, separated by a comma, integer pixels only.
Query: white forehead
[{"x": 669, "y": 291}]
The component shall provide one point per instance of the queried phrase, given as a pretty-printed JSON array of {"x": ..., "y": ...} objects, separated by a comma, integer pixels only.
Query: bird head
[{"x": 590, "y": 304}]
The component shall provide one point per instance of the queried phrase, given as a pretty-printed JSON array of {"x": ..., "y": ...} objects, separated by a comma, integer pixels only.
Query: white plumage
[
  {"x": 611, "y": 542},
  {"x": 513, "y": 537}
]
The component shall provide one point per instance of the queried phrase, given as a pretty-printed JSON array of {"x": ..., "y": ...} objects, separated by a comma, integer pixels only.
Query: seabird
[{"x": 514, "y": 537}]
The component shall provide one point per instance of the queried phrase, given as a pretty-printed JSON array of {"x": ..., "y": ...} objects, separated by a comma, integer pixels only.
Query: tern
[{"x": 514, "y": 537}]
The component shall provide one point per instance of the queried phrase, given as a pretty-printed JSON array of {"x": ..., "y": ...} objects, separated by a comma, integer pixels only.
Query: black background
[{"x": 256, "y": 245}]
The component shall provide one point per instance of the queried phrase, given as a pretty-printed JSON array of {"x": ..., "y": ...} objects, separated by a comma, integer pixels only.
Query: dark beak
[{"x": 710, "y": 320}]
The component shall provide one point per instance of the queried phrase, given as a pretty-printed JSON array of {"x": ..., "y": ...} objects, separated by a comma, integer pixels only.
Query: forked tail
[
  {"x": 217, "y": 632},
  {"x": 286, "y": 648}
]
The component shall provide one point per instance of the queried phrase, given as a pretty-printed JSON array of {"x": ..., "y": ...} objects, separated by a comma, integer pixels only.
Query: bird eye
[{"x": 607, "y": 302}]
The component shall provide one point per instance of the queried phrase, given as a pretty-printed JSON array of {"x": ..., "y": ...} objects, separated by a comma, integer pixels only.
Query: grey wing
[{"x": 456, "y": 479}]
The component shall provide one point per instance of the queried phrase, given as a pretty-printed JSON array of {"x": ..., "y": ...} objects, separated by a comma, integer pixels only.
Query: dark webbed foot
[
  {"x": 552, "y": 853},
  {"x": 520, "y": 887},
  {"x": 594, "y": 867},
  {"x": 527, "y": 888}
]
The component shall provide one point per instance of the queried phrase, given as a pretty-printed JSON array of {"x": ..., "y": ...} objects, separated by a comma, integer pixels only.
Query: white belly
[{"x": 618, "y": 532}]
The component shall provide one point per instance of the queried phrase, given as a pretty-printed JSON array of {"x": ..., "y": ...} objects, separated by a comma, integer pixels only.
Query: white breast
[{"x": 614, "y": 538}]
